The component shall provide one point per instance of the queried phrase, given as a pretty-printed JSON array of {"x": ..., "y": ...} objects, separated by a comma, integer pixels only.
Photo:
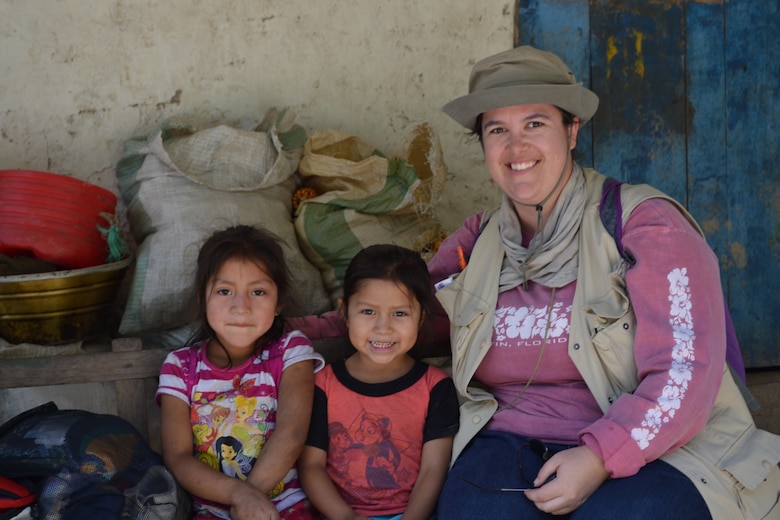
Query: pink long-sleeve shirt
[{"x": 679, "y": 347}]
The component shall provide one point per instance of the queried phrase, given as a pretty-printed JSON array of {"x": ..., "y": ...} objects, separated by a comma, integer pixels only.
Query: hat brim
[{"x": 573, "y": 98}]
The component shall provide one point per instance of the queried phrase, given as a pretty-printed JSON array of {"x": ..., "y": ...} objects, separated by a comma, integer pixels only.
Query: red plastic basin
[{"x": 54, "y": 218}]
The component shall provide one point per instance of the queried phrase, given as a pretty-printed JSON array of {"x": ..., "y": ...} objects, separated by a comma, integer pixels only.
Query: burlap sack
[
  {"x": 180, "y": 186},
  {"x": 364, "y": 198}
]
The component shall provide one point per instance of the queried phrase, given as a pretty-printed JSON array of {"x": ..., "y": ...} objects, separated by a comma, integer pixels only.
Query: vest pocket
[
  {"x": 614, "y": 345},
  {"x": 746, "y": 476},
  {"x": 612, "y": 325}
]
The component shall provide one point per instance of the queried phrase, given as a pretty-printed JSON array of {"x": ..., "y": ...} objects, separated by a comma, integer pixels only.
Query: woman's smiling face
[{"x": 527, "y": 149}]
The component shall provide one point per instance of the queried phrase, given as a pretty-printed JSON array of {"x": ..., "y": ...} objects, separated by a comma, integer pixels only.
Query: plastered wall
[{"x": 79, "y": 77}]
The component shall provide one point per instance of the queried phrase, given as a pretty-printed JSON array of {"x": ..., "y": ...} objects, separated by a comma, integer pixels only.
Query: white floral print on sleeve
[{"x": 681, "y": 369}]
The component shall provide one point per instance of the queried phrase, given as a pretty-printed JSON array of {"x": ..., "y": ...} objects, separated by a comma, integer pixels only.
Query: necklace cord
[{"x": 539, "y": 359}]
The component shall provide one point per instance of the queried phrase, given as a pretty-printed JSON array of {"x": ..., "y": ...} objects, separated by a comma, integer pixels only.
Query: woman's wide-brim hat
[{"x": 521, "y": 76}]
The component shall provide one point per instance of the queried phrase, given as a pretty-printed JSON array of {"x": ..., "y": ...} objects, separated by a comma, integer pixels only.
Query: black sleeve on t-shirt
[
  {"x": 318, "y": 428},
  {"x": 443, "y": 411}
]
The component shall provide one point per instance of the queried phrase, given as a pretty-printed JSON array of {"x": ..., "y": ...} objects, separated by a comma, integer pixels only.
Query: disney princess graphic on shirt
[{"x": 231, "y": 458}]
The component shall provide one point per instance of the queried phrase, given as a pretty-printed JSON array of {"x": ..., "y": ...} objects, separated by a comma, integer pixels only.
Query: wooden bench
[
  {"x": 120, "y": 380},
  {"x": 117, "y": 377}
]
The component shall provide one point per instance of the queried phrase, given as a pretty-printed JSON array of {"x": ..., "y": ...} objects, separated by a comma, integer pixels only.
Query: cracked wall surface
[{"x": 81, "y": 77}]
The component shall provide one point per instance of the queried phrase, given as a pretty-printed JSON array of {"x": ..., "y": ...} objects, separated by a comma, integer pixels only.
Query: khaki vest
[{"x": 732, "y": 463}]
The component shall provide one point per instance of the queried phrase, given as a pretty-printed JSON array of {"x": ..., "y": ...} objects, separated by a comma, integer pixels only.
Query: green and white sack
[{"x": 364, "y": 198}]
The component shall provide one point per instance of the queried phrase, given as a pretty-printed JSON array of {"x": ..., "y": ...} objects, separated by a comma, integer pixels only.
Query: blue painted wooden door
[{"x": 690, "y": 104}]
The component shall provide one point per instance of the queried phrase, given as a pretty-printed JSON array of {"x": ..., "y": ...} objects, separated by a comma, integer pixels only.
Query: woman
[{"x": 590, "y": 387}]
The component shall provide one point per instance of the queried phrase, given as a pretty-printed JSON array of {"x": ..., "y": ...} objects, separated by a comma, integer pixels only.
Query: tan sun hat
[{"x": 521, "y": 76}]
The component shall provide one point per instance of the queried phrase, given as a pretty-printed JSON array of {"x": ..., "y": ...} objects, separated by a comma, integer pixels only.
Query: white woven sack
[{"x": 187, "y": 188}]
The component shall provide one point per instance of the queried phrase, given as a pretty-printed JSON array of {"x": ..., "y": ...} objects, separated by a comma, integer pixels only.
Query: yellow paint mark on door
[{"x": 638, "y": 55}]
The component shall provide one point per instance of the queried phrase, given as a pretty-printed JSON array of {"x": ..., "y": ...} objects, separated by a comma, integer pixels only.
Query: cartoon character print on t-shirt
[
  {"x": 231, "y": 428},
  {"x": 232, "y": 460},
  {"x": 367, "y": 456}
]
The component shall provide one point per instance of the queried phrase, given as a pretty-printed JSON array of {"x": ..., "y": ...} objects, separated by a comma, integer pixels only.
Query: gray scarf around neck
[{"x": 551, "y": 258}]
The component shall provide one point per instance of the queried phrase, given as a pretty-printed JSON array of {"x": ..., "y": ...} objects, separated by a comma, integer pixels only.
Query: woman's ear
[{"x": 574, "y": 130}]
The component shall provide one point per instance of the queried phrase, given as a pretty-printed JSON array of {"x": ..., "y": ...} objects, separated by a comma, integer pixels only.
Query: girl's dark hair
[
  {"x": 246, "y": 243},
  {"x": 394, "y": 263},
  {"x": 568, "y": 120}
]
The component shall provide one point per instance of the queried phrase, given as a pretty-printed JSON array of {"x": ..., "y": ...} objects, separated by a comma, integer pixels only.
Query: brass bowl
[{"x": 60, "y": 306}]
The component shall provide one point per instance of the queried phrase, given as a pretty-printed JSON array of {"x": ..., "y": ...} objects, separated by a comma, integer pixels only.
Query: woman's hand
[{"x": 578, "y": 473}]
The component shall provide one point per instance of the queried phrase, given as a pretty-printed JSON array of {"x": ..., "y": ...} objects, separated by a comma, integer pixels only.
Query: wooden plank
[
  {"x": 126, "y": 345},
  {"x": 80, "y": 368},
  {"x": 93, "y": 397},
  {"x": 131, "y": 401},
  {"x": 765, "y": 387},
  {"x": 638, "y": 70},
  {"x": 152, "y": 416},
  {"x": 131, "y": 398},
  {"x": 690, "y": 103},
  {"x": 706, "y": 153},
  {"x": 753, "y": 184},
  {"x": 562, "y": 27}
]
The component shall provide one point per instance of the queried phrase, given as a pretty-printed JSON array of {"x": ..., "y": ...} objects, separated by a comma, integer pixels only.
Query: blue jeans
[
  {"x": 395, "y": 517},
  {"x": 492, "y": 459}
]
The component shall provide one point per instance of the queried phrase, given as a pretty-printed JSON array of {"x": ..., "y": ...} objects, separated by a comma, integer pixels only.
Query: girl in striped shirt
[{"x": 236, "y": 402}]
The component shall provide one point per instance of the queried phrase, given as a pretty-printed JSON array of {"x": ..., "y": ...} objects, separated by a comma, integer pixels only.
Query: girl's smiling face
[
  {"x": 383, "y": 321},
  {"x": 241, "y": 304},
  {"x": 527, "y": 149}
]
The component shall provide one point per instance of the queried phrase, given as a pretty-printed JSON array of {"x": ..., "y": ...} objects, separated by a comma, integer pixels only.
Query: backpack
[
  {"x": 86, "y": 465},
  {"x": 611, "y": 212}
]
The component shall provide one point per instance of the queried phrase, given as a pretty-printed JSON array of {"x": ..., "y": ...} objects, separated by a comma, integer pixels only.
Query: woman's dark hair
[
  {"x": 245, "y": 243},
  {"x": 397, "y": 264},
  {"x": 568, "y": 120}
]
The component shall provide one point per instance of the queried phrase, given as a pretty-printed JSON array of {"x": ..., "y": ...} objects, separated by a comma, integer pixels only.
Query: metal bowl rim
[{"x": 37, "y": 277}]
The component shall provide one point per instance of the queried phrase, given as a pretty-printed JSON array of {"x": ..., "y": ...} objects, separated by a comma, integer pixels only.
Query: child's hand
[{"x": 252, "y": 504}]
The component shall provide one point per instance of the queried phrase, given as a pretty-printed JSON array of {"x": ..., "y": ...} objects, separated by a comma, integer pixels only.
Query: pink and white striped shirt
[{"x": 233, "y": 410}]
